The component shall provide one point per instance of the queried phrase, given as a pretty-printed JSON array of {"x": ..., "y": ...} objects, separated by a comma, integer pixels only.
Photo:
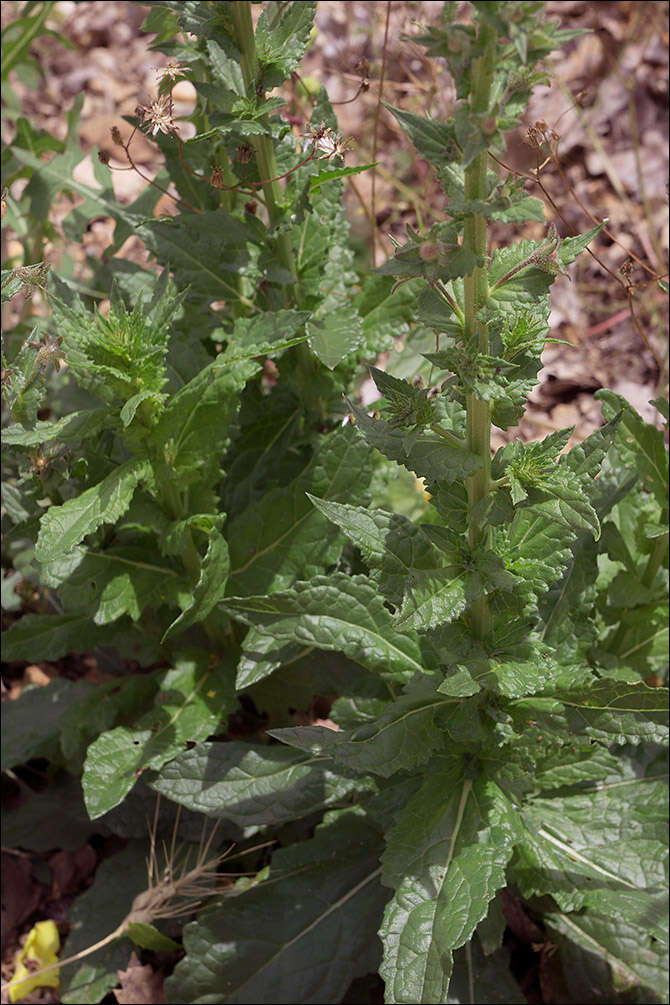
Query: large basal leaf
[
  {"x": 338, "y": 612},
  {"x": 302, "y": 935},
  {"x": 445, "y": 857},
  {"x": 253, "y": 785},
  {"x": 95, "y": 914},
  {"x": 607, "y": 710},
  {"x": 283, "y": 537},
  {"x": 607, "y": 839},
  {"x": 627, "y": 960},
  {"x": 31, "y": 723},
  {"x": 63, "y": 527},
  {"x": 193, "y": 699},
  {"x": 49, "y": 636},
  {"x": 429, "y": 455}
]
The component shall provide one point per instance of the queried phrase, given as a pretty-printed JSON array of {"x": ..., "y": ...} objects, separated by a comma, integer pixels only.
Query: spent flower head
[
  {"x": 158, "y": 116},
  {"x": 328, "y": 143},
  {"x": 171, "y": 70}
]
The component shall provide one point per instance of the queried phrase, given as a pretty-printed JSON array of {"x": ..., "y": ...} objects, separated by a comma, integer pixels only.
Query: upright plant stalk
[
  {"x": 476, "y": 293},
  {"x": 272, "y": 191},
  {"x": 265, "y": 155}
]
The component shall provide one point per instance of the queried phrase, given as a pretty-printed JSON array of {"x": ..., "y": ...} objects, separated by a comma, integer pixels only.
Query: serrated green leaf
[
  {"x": 429, "y": 456},
  {"x": 338, "y": 612},
  {"x": 192, "y": 700},
  {"x": 626, "y": 853},
  {"x": 405, "y": 735},
  {"x": 612, "y": 711},
  {"x": 335, "y": 329},
  {"x": 609, "y": 948},
  {"x": 70, "y": 428},
  {"x": 438, "y": 595},
  {"x": 191, "y": 243},
  {"x": 225, "y": 70},
  {"x": 266, "y": 334},
  {"x": 63, "y": 527},
  {"x": 640, "y": 443},
  {"x": 282, "y": 35},
  {"x": 446, "y": 857},
  {"x": 209, "y": 589},
  {"x": 391, "y": 544},
  {"x": 316, "y": 181},
  {"x": 111, "y": 583},
  {"x": 147, "y": 937},
  {"x": 432, "y": 139}
]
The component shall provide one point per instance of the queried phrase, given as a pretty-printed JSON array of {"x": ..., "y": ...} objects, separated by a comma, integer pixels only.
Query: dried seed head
[
  {"x": 244, "y": 153},
  {"x": 216, "y": 177},
  {"x": 116, "y": 136},
  {"x": 626, "y": 270},
  {"x": 534, "y": 137},
  {"x": 103, "y": 157}
]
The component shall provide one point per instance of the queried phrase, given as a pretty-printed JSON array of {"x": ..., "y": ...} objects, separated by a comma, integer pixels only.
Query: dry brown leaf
[{"x": 140, "y": 985}]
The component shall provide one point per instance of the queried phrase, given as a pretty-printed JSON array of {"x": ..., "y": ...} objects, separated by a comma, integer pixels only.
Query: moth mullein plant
[{"x": 494, "y": 737}]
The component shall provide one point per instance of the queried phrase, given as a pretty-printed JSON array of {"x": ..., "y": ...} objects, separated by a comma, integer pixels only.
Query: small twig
[{"x": 362, "y": 87}]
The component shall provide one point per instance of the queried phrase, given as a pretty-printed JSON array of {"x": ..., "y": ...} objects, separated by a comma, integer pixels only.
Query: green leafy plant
[{"x": 498, "y": 725}]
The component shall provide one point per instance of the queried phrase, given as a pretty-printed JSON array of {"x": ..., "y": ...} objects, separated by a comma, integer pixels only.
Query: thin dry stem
[{"x": 178, "y": 891}]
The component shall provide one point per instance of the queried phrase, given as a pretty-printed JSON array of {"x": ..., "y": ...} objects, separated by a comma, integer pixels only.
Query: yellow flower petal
[{"x": 40, "y": 950}]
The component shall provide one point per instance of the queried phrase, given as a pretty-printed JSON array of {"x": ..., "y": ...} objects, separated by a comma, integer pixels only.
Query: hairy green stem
[
  {"x": 265, "y": 155},
  {"x": 272, "y": 191},
  {"x": 476, "y": 292}
]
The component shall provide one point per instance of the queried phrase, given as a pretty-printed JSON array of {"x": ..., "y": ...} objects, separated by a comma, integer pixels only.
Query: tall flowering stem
[{"x": 476, "y": 295}]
